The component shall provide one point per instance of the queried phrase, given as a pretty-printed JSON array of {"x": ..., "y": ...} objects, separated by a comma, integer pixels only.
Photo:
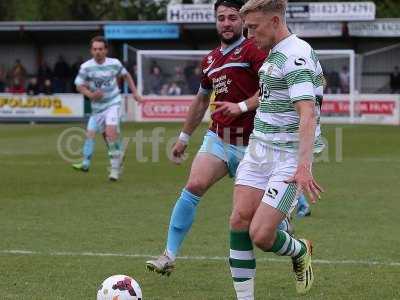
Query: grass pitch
[{"x": 62, "y": 232}]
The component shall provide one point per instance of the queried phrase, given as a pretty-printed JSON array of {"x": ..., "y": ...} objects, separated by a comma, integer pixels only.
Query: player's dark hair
[
  {"x": 229, "y": 3},
  {"x": 99, "y": 38}
]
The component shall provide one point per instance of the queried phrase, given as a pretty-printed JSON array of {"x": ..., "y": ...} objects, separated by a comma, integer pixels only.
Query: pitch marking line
[{"x": 204, "y": 258}]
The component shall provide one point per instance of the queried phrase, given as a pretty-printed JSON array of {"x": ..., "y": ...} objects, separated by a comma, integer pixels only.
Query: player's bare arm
[
  {"x": 94, "y": 96},
  {"x": 235, "y": 109},
  {"x": 303, "y": 176},
  {"x": 195, "y": 115},
  {"x": 132, "y": 87}
]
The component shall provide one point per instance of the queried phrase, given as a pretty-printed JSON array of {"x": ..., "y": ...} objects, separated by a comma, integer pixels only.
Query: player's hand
[
  {"x": 227, "y": 109},
  {"x": 97, "y": 95},
  {"x": 178, "y": 152},
  {"x": 305, "y": 182},
  {"x": 138, "y": 98}
]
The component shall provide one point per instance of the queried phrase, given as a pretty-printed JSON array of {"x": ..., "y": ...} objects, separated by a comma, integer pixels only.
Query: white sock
[
  {"x": 115, "y": 162},
  {"x": 245, "y": 289},
  {"x": 114, "y": 153}
]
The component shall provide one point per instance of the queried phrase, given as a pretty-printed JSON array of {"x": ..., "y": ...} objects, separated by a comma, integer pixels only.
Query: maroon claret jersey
[{"x": 232, "y": 74}]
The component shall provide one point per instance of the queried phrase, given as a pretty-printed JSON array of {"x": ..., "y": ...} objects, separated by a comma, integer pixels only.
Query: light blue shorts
[{"x": 230, "y": 154}]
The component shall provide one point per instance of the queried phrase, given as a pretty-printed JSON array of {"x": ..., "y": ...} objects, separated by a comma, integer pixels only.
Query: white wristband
[
  {"x": 184, "y": 138},
  {"x": 243, "y": 106}
]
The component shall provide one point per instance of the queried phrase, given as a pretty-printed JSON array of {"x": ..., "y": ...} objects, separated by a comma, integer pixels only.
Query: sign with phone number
[{"x": 331, "y": 11}]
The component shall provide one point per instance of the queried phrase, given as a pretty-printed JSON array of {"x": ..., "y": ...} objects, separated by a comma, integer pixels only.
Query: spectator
[
  {"x": 3, "y": 79},
  {"x": 16, "y": 87},
  {"x": 33, "y": 87},
  {"x": 395, "y": 80},
  {"x": 193, "y": 81},
  {"x": 164, "y": 89},
  {"x": 44, "y": 72},
  {"x": 18, "y": 72},
  {"x": 179, "y": 79},
  {"x": 61, "y": 75},
  {"x": 75, "y": 69},
  {"x": 156, "y": 80},
  {"x": 47, "y": 87},
  {"x": 344, "y": 80},
  {"x": 174, "y": 89},
  {"x": 76, "y": 65}
]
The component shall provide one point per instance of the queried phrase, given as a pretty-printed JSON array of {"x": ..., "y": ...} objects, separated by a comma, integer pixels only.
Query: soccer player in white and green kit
[
  {"x": 98, "y": 80},
  {"x": 277, "y": 164}
]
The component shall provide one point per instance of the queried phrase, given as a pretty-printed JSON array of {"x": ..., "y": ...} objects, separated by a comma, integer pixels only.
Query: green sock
[
  {"x": 241, "y": 259},
  {"x": 285, "y": 245}
]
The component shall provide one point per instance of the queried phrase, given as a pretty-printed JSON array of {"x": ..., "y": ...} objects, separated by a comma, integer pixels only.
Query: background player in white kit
[{"x": 98, "y": 80}]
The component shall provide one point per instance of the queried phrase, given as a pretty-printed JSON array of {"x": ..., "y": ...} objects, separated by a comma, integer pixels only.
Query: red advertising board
[
  {"x": 368, "y": 109},
  {"x": 335, "y": 107},
  {"x": 376, "y": 107},
  {"x": 167, "y": 109}
]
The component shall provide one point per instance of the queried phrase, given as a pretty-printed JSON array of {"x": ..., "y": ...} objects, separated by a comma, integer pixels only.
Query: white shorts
[
  {"x": 266, "y": 169},
  {"x": 108, "y": 117}
]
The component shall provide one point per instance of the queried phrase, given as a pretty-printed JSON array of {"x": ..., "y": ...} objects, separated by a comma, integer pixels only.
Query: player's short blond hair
[{"x": 265, "y": 6}]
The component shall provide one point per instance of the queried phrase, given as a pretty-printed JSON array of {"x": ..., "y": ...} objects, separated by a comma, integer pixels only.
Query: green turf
[{"x": 48, "y": 208}]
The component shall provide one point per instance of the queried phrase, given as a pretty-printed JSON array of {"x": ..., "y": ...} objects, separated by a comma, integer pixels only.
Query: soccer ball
[{"x": 119, "y": 287}]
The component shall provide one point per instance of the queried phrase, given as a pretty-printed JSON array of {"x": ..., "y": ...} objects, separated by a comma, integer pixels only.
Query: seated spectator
[
  {"x": 174, "y": 89},
  {"x": 33, "y": 87},
  {"x": 164, "y": 89},
  {"x": 47, "y": 88},
  {"x": 16, "y": 87}
]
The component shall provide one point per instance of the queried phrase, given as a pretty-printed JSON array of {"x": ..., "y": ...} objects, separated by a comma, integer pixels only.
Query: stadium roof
[
  {"x": 65, "y": 25},
  {"x": 58, "y": 30}
]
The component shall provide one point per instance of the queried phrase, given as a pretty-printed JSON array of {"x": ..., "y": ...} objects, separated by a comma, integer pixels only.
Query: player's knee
[
  {"x": 111, "y": 136},
  {"x": 111, "y": 133},
  {"x": 263, "y": 238},
  {"x": 239, "y": 220},
  {"x": 197, "y": 186}
]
